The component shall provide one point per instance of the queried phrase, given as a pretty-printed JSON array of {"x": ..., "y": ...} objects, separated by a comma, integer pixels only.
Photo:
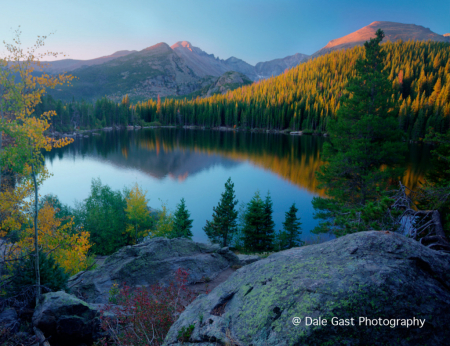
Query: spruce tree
[
  {"x": 223, "y": 225},
  {"x": 254, "y": 224},
  {"x": 258, "y": 229},
  {"x": 182, "y": 224},
  {"x": 290, "y": 236},
  {"x": 269, "y": 225},
  {"x": 435, "y": 192},
  {"x": 364, "y": 151},
  {"x": 52, "y": 275}
]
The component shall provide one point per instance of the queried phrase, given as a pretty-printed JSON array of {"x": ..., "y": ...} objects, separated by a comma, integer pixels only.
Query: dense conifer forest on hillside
[{"x": 303, "y": 98}]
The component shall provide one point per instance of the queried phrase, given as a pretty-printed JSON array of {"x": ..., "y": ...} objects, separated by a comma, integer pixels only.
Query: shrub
[
  {"x": 53, "y": 276},
  {"x": 103, "y": 216},
  {"x": 185, "y": 333},
  {"x": 145, "y": 315}
]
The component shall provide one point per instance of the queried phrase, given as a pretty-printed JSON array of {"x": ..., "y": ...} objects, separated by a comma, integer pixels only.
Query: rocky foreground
[
  {"x": 399, "y": 288},
  {"x": 150, "y": 263},
  {"x": 369, "y": 274}
]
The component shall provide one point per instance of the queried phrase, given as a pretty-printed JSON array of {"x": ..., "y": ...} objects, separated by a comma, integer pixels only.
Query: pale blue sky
[{"x": 253, "y": 30}]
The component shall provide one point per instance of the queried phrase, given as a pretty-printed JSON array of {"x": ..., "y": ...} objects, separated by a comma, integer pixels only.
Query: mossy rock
[
  {"x": 152, "y": 262},
  {"x": 369, "y": 274}
]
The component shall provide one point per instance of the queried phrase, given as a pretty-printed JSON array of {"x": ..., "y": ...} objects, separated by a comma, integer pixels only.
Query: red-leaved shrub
[{"x": 143, "y": 316}]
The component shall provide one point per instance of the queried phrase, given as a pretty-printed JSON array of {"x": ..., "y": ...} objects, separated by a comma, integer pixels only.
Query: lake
[{"x": 195, "y": 164}]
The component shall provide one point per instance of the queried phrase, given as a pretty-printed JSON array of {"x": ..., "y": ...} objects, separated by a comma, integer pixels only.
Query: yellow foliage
[
  {"x": 69, "y": 250},
  {"x": 137, "y": 212},
  {"x": 164, "y": 225},
  {"x": 19, "y": 97},
  {"x": 14, "y": 204}
]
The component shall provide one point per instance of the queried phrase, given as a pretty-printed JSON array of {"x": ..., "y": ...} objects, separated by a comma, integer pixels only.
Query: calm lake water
[{"x": 195, "y": 164}]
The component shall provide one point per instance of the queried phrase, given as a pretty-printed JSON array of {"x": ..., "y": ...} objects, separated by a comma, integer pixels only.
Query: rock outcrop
[
  {"x": 67, "y": 319},
  {"x": 152, "y": 262},
  {"x": 228, "y": 81},
  {"x": 247, "y": 259},
  {"x": 373, "y": 275}
]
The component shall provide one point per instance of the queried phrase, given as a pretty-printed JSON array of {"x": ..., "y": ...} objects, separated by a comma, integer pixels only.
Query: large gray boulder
[
  {"x": 155, "y": 261},
  {"x": 369, "y": 274},
  {"x": 67, "y": 319}
]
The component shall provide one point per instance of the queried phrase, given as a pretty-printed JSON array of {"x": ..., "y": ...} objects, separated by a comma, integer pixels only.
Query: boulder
[
  {"x": 9, "y": 321},
  {"x": 247, "y": 259},
  {"x": 382, "y": 277},
  {"x": 67, "y": 319},
  {"x": 152, "y": 262}
]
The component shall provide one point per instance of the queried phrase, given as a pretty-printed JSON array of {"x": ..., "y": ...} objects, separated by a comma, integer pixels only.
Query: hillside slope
[
  {"x": 306, "y": 97},
  {"x": 154, "y": 71},
  {"x": 160, "y": 70},
  {"x": 67, "y": 65}
]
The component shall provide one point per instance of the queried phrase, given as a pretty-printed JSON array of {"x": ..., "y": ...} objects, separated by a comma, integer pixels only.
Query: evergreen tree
[
  {"x": 223, "y": 225},
  {"x": 269, "y": 225},
  {"x": 258, "y": 231},
  {"x": 182, "y": 224},
  {"x": 364, "y": 139},
  {"x": 436, "y": 189},
  {"x": 254, "y": 224},
  {"x": 52, "y": 275},
  {"x": 290, "y": 236}
]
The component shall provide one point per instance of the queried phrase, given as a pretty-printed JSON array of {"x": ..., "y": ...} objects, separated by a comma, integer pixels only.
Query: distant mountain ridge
[
  {"x": 72, "y": 64},
  {"x": 162, "y": 70},
  {"x": 183, "y": 69},
  {"x": 201, "y": 63},
  {"x": 393, "y": 31}
]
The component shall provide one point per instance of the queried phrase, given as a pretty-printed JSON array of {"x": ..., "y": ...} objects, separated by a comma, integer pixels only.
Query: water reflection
[
  {"x": 193, "y": 164},
  {"x": 179, "y": 153}
]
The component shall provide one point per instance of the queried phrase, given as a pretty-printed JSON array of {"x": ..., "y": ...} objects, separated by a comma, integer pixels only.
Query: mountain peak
[
  {"x": 182, "y": 44},
  {"x": 394, "y": 31}
]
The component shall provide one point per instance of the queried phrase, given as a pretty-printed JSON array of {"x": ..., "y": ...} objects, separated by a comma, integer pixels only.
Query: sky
[{"x": 252, "y": 30}]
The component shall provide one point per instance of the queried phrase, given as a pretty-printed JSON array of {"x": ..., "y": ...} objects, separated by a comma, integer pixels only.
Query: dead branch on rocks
[{"x": 424, "y": 226}]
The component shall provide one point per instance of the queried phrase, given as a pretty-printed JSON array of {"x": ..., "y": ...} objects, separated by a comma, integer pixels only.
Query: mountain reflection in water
[{"x": 180, "y": 155}]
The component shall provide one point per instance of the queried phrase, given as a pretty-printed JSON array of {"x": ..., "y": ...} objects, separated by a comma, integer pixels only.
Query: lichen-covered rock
[
  {"x": 67, "y": 319},
  {"x": 369, "y": 274},
  {"x": 247, "y": 259},
  {"x": 152, "y": 262}
]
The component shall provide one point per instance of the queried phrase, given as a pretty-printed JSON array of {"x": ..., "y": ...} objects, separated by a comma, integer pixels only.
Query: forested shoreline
[{"x": 304, "y": 98}]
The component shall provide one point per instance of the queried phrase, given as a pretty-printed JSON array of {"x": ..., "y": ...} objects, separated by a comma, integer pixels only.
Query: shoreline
[{"x": 94, "y": 132}]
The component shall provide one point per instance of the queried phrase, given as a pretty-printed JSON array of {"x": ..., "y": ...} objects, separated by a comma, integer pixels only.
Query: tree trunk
[{"x": 36, "y": 245}]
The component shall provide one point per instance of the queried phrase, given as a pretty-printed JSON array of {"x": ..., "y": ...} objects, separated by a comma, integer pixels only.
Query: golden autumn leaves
[{"x": 21, "y": 91}]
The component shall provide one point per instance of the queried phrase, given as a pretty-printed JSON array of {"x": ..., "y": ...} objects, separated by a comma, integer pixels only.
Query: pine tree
[
  {"x": 254, "y": 224},
  {"x": 223, "y": 225},
  {"x": 365, "y": 137},
  {"x": 289, "y": 237},
  {"x": 52, "y": 275},
  {"x": 269, "y": 225},
  {"x": 182, "y": 224},
  {"x": 436, "y": 189}
]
